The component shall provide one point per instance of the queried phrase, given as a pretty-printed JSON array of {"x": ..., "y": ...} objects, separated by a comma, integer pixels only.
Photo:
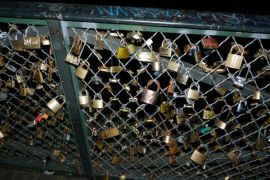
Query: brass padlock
[
  {"x": 164, "y": 107},
  {"x": 31, "y": 42},
  {"x": 150, "y": 96},
  {"x": 84, "y": 99},
  {"x": 193, "y": 93},
  {"x": 72, "y": 59},
  {"x": 99, "y": 145},
  {"x": 23, "y": 90},
  {"x": 38, "y": 76},
  {"x": 233, "y": 157},
  {"x": 56, "y": 103},
  {"x": 20, "y": 77},
  {"x": 173, "y": 66},
  {"x": 173, "y": 148},
  {"x": 166, "y": 48},
  {"x": 199, "y": 157},
  {"x": 220, "y": 123},
  {"x": 77, "y": 45},
  {"x": 116, "y": 160},
  {"x": 122, "y": 51},
  {"x": 81, "y": 72},
  {"x": 109, "y": 133},
  {"x": 208, "y": 113},
  {"x": 235, "y": 60},
  {"x": 194, "y": 137},
  {"x": 221, "y": 90},
  {"x": 256, "y": 95},
  {"x": 97, "y": 103}
]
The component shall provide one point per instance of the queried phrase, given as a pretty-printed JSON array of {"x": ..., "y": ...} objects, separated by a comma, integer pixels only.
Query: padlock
[
  {"x": 235, "y": 60},
  {"x": 256, "y": 95},
  {"x": 221, "y": 90},
  {"x": 84, "y": 99},
  {"x": 77, "y": 45},
  {"x": 164, "y": 107},
  {"x": 2, "y": 61},
  {"x": 150, "y": 119},
  {"x": 156, "y": 65},
  {"x": 45, "y": 41},
  {"x": 233, "y": 157},
  {"x": 72, "y": 59},
  {"x": 17, "y": 40},
  {"x": 173, "y": 148},
  {"x": 239, "y": 81},
  {"x": 199, "y": 157},
  {"x": 150, "y": 96},
  {"x": 81, "y": 72},
  {"x": 194, "y": 137},
  {"x": 43, "y": 66},
  {"x": 241, "y": 107},
  {"x": 132, "y": 151},
  {"x": 108, "y": 133},
  {"x": 99, "y": 41},
  {"x": 23, "y": 90},
  {"x": 56, "y": 103},
  {"x": 193, "y": 93},
  {"x": 261, "y": 140},
  {"x": 191, "y": 49},
  {"x": 38, "y": 76},
  {"x": 122, "y": 51},
  {"x": 97, "y": 103},
  {"x": 31, "y": 91},
  {"x": 171, "y": 87},
  {"x": 31, "y": 42},
  {"x": 62, "y": 157},
  {"x": 180, "y": 117},
  {"x": 134, "y": 36},
  {"x": 60, "y": 115},
  {"x": 182, "y": 78},
  {"x": 209, "y": 43},
  {"x": 208, "y": 113},
  {"x": 220, "y": 123},
  {"x": 131, "y": 49},
  {"x": 123, "y": 177},
  {"x": 166, "y": 48},
  {"x": 20, "y": 77},
  {"x": 173, "y": 66},
  {"x": 171, "y": 159},
  {"x": 100, "y": 145},
  {"x": 145, "y": 56}
]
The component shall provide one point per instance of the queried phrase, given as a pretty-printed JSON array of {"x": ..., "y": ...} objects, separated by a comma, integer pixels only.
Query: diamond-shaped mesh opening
[
  {"x": 210, "y": 119},
  {"x": 29, "y": 80}
]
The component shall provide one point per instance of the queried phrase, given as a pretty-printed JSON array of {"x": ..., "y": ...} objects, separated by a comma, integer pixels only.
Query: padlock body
[
  {"x": 198, "y": 157},
  {"x": 234, "y": 61},
  {"x": 156, "y": 66},
  {"x": 173, "y": 66},
  {"x": 122, "y": 53},
  {"x": 193, "y": 94},
  {"x": 31, "y": 42},
  {"x": 81, "y": 72},
  {"x": 165, "y": 51},
  {"x": 149, "y": 96},
  {"x": 70, "y": 58},
  {"x": 221, "y": 124},
  {"x": 97, "y": 103},
  {"x": 109, "y": 133},
  {"x": 54, "y": 105},
  {"x": 131, "y": 48},
  {"x": 84, "y": 101}
]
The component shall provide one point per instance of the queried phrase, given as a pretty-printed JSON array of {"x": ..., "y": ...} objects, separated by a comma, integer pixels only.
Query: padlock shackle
[
  {"x": 169, "y": 43},
  {"x": 202, "y": 146},
  {"x": 153, "y": 81},
  {"x": 85, "y": 63},
  {"x": 62, "y": 97},
  {"x": 237, "y": 46},
  {"x": 32, "y": 28},
  {"x": 223, "y": 109},
  {"x": 84, "y": 91}
]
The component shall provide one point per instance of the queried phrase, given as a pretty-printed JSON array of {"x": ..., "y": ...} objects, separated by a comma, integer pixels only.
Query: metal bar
[
  {"x": 195, "y": 72},
  {"x": 58, "y": 44},
  {"x": 142, "y": 16}
]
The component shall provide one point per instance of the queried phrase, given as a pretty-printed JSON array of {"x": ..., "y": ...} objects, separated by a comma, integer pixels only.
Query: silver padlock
[
  {"x": 166, "y": 48},
  {"x": 235, "y": 60},
  {"x": 82, "y": 72},
  {"x": 20, "y": 77},
  {"x": 150, "y": 96},
  {"x": 173, "y": 66},
  {"x": 156, "y": 65},
  {"x": 56, "y": 103},
  {"x": 72, "y": 59},
  {"x": 84, "y": 99},
  {"x": 239, "y": 81},
  {"x": 97, "y": 103},
  {"x": 43, "y": 66},
  {"x": 199, "y": 157},
  {"x": 192, "y": 93}
]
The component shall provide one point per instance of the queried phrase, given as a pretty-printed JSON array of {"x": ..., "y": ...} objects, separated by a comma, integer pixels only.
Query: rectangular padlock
[
  {"x": 173, "y": 66},
  {"x": 32, "y": 42},
  {"x": 122, "y": 53},
  {"x": 109, "y": 133}
]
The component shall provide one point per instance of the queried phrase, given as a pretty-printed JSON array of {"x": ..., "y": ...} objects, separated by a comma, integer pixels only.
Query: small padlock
[
  {"x": 241, "y": 107},
  {"x": 43, "y": 66},
  {"x": 150, "y": 96},
  {"x": 20, "y": 77},
  {"x": 199, "y": 157},
  {"x": 239, "y": 81},
  {"x": 77, "y": 45},
  {"x": 209, "y": 43},
  {"x": 173, "y": 66},
  {"x": 220, "y": 123},
  {"x": 38, "y": 76},
  {"x": 84, "y": 99},
  {"x": 31, "y": 42},
  {"x": 131, "y": 49},
  {"x": 122, "y": 51},
  {"x": 194, "y": 137},
  {"x": 180, "y": 117},
  {"x": 182, "y": 78},
  {"x": 166, "y": 48},
  {"x": 2, "y": 61},
  {"x": 97, "y": 103},
  {"x": 45, "y": 41},
  {"x": 208, "y": 113},
  {"x": 261, "y": 141},
  {"x": 193, "y": 93},
  {"x": 81, "y": 72},
  {"x": 173, "y": 148},
  {"x": 56, "y": 103},
  {"x": 23, "y": 90},
  {"x": 156, "y": 65},
  {"x": 233, "y": 157},
  {"x": 72, "y": 59},
  {"x": 235, "y": 60},
  {"x": 256, "y": 95}
]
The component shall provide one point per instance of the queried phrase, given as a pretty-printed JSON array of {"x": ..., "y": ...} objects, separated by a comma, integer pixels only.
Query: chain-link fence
[
  {"x": 29, "y": 129},
  {"x": 164, "y": 105}
]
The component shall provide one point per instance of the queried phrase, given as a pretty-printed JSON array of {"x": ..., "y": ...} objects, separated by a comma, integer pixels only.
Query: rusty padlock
[
  {"x": 199, "y": 157},
  {"x": 150, "y": 96},
  {"x": 166, "y": 48},
  {"x": 31, "y": 42},
  {"x": 235, "y": 60},
  {"x": 193, "y": 94},
  {"x": 84, "y": 99},
  {"x": 82, "y": 72},
  {"x": 208, "y": 113},
  {"x": 97, "y": 103},
  {"x": 56, "y": 103},
  {"x": 72, "y": 59},
  {"x": 77, "y": 45}
]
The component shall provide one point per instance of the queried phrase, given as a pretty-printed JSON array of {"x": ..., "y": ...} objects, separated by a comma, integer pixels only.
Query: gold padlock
[
  {"x": 122, "y": 51},
  {"x": 56, "y": 103},
  {"x": 31, "y": 42},
  {"x": 173, "y": 66},
  {"x": 221, "y": 90},
  {"x": 97, "y": 103},
  {"x": 173, "y": 148},
  {"x": 131, "y": 49},
  {"x": 208, "y": 113},
  {"x": 23, "y": 90},
  {"x": 39, "y": 76},
  {"x": 164, "y": 107},
  {"x": 150, "y": 96},
  {"x": 82, "y": 72},
  {"x": 116, "y": 160},
  {"x": 193, "y": 93},
  {"x": 109, "y": 133},
  {"x": 99, "y": 145},
  {"x": 199, "y": 157},
  {"x": 235, "y": 60},
  {"x": 233, "y": 157},
  {"x": 256, "y": 95},
  {"x": 145, "y": 56},
  {"x": 166, "y": 48},
  {"x": 84, "y": 99},
  {"x": 77, "y": 45}
]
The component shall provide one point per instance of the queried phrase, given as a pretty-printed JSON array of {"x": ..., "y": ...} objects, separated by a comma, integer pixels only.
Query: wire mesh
[
  {"x": 29, "y": 129},
  {"x": 222, "y": 125}
]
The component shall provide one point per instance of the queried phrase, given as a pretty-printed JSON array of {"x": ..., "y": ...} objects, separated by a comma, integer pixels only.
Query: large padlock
[
  {"x": 173, "y": 66},
  {"x": 97, "y": 103},
  {"x": 77, "y": 45},
  {"x": 56, "y": 103},
  {"x": 150, "y": 96},
  {"x": 193, "y": 93},
  {"x": 20, "y": 77},
  {"x": 235, "y": 60},
  {"x": 72, "y": 59},
  {"x": 31, "y": 42},
  {"x": 84, "y": 99},
  {"x": 199, "y": 157},
  {"x": 166, "y": 48},
  {"x": 208, "y": 113},
  {"x": 82, "y": 72},
  {"x": 23, "y": 90},
  {"x": 122, "y": 51}
]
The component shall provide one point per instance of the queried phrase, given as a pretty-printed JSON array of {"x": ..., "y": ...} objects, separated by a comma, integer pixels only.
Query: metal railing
[{"x": 149, "y": 96}]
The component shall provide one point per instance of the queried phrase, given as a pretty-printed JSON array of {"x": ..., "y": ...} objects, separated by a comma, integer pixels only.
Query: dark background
[{"x": 259, "y": 7}]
